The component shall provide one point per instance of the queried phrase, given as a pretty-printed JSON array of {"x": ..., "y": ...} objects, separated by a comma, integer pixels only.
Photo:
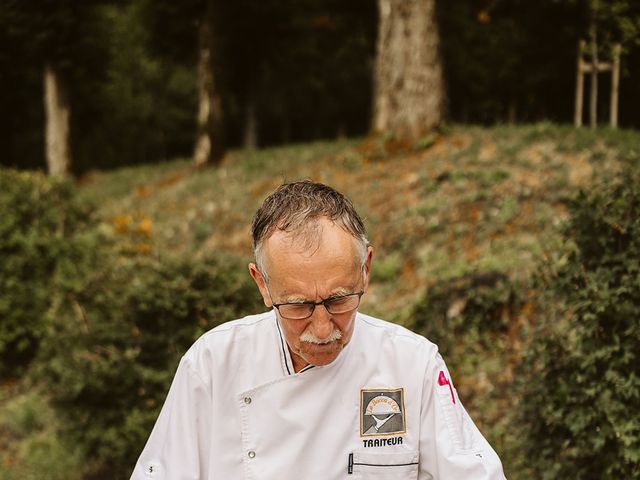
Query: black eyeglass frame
[
  {"x": 326, "y": 303},
  {"x": 321, "y": 302}
]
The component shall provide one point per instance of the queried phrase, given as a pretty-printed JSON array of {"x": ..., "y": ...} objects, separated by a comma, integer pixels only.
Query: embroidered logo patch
[{"x": 382, "y": 411}]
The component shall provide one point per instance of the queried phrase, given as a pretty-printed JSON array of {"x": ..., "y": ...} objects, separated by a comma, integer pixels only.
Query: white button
[
  {"x": 251, "y": 454},
  {"x": 247, "y": 400}
]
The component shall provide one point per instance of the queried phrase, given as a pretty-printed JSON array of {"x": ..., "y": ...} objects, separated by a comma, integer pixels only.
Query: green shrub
[
  {"x": 39, "y": 216},
  {"x": 580, "y": 379},
  {"x": 30, "y": 448},
  {"x": 117, "y": 333},
  {"x": 474, "y": 307},
  {"x": 476, "y": 321}
]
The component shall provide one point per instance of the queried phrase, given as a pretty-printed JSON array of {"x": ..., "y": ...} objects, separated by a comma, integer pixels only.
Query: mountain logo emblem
[{"x": 382, "y": 412}]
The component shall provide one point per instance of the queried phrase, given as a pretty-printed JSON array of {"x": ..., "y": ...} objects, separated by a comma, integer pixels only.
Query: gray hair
[{"x": 296, "y": 207}]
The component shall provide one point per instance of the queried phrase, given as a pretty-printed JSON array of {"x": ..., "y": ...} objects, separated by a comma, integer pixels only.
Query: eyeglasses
[{"x": 335, "y": 306}]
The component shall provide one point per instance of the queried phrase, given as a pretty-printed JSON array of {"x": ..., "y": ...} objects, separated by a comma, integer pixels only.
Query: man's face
[{"x": 326, "y": 267}]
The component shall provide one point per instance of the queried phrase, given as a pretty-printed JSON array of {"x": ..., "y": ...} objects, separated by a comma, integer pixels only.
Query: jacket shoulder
[
  {"x": 230, "y": 342},
  {"x": 375, "y": 329}
]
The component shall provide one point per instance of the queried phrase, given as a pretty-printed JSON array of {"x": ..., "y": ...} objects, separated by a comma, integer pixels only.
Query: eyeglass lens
[{"x": 335, "y": 306}]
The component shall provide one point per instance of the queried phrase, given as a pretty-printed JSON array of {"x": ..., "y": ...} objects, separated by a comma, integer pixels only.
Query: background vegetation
[
  {"x": 483, "y": 244},
  {"x": 304, "y": 68},
  {"x": 512, "y": 245}
]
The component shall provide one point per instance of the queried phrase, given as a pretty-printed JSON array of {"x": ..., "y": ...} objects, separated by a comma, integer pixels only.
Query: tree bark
[
  {"x": 209, "y": 146},
  {"x": 409, "y": 89},
  {"x": 593, "y": 101},
  {"x": 250, "y": 126},
  {"x": 577, "y": 116},
  {"x": 57, "y": 116},
  {"x": 615, "y": 84}
]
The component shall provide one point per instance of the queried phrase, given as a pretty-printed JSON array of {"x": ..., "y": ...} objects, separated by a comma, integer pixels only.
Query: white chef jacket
[{"x": 386, "y": 408}]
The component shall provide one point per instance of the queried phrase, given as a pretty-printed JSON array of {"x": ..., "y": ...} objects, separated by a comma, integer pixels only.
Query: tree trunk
[
  {"x": 57, "y": 115},
  {"x": 593, "y": 101},
  {"x": 250, "y": 126},
  {"x": 209, "y": 145},
  {"x": 615, "y": 85},
  {"x": 409, "y": 89},
  {"x": 577, "y": 116}
]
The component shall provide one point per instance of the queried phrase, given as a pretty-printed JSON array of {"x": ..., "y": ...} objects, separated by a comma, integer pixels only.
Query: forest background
[{"x": 509, "y": 239}]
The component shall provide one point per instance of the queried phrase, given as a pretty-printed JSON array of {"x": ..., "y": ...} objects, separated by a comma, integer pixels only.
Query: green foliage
[
  {"x": 29, "y": 446},
  {"x": 117, "y": 333},
  {"x": 468, "y": 309},
  {"x": 617, "y": 21},
  {"x": 444, "y": 217},
  {"x": 387, "y": 268},
  {"x": 39, "y": 220},
  {"x": 144, "y": 100},
  {"x": 426, "y": 142},
  {"x": 474, "y": 319},
  {"x": 106, "y": 323},
  {"x": 521, "y": 55},
  {"x": 304, "y": 68},
  {"x": 580, "y": 379}
]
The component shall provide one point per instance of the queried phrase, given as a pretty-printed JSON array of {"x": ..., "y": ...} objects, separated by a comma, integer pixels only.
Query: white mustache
[{"x": 309, "y": 337}]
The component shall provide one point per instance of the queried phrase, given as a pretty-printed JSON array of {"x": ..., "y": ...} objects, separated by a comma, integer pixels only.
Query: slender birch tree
[
  {"x": 210, "y": 136},
  {"x": 57, "y": 118}
]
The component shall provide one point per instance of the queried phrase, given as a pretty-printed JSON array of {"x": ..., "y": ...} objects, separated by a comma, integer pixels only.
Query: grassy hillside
[
  {"x": 468, "y": 202},
  {"x": 472, "y": 199}
]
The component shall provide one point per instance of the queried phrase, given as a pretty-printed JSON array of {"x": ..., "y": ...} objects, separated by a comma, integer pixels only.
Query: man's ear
[
  {"x": 261, "y": 283},
  {"x": 367, "y": 267}
]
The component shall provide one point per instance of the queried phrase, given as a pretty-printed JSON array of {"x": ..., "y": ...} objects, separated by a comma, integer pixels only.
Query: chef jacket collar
[{"x": 285, "y": 355}]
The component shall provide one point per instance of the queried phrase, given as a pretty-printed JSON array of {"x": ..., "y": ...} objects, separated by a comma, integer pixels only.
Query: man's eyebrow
[
  {"x": 295, "y": 299},
  {"x": 338, "y": 292}
]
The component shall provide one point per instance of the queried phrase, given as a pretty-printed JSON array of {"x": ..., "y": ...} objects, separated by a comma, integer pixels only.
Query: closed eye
[
  {"x": 338, "y": 295},
  {"x": 338, "y": 298}
]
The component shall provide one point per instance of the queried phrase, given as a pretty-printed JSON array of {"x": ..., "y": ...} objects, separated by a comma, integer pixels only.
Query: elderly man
[{"x": 313, "y": 389}]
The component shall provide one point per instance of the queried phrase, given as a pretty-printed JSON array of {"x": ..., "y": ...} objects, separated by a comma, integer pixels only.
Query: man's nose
[{"x": 321, "y": 324}]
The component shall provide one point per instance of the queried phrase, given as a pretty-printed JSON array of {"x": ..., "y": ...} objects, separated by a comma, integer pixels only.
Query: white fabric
[{"x": 237, "y": 410}]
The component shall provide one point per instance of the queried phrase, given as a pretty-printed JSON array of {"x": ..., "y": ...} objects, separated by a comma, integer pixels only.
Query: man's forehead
[
  {"x": 319, "y": 241},
  {"x": 325, "y": 265},
  {"x": 282, "y": 242}
]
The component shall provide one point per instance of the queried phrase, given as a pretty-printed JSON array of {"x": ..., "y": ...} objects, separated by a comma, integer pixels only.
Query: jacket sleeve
[
  {"x": 451, "y": 446},
  {"x": 178, "y": 446}
]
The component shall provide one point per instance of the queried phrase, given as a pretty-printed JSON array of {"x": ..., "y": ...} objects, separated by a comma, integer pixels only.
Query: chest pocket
[{"x": 383, "y": 466}]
